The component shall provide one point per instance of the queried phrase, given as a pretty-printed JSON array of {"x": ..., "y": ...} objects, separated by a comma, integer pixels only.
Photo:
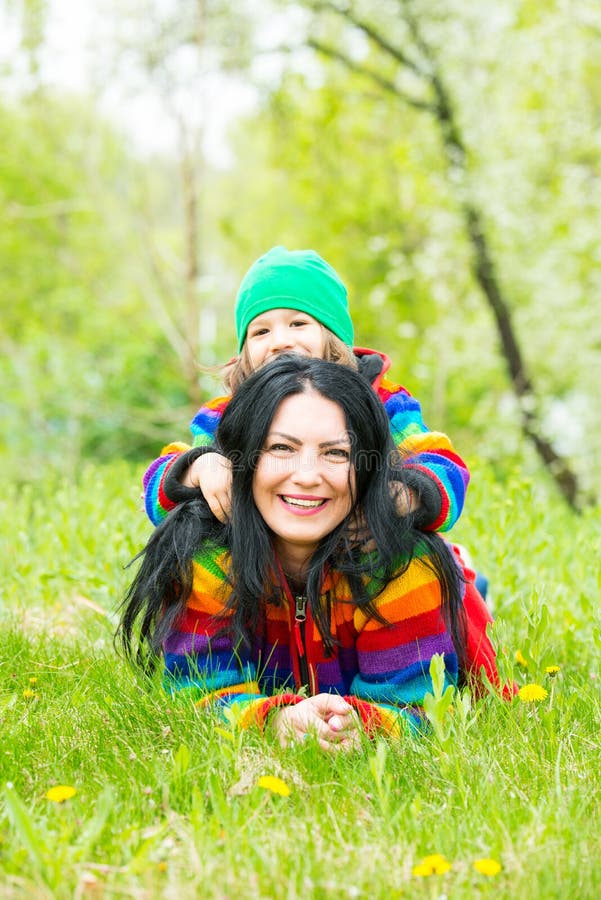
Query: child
[{"x": 294, "y": 301}]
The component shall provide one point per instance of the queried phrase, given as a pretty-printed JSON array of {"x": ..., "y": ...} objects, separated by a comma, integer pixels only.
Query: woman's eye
[
  {"x": 280, "y": 448},
  {"x": 339, "y": 454}
]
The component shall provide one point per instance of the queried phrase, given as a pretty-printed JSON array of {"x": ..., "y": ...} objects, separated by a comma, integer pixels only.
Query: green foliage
[
  {"x": 93, "y": 260},
  {"x": 82, "y": 362},
  {"x": 437, "y": 705},
  {"x": 168, "y": 798}
]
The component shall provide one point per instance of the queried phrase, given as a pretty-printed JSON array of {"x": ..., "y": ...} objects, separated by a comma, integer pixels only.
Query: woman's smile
[{"x": 303, "y": 506}]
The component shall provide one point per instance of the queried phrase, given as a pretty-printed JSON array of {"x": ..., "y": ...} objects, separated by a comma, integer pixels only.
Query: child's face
[{"x": 283, "y": 331}]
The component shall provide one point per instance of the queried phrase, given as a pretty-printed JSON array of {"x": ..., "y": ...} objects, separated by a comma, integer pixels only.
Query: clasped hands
[{"x": 328, "y": 717}]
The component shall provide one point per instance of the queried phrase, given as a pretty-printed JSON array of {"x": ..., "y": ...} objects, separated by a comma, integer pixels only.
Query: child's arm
[
  {"x": 156, "y": 502},
  {"x": 209, "y": 474},
  {"x": 438, "y": 477}
]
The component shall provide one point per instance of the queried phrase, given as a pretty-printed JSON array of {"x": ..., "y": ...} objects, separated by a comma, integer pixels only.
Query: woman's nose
[{"x": 307, "y": 472}]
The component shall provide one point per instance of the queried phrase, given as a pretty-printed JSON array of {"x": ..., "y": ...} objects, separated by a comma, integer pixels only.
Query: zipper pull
[{"x": 300, "y": 608}]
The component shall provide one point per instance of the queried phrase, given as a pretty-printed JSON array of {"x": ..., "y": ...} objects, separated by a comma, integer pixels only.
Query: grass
[{"x": 168, "y": 801}]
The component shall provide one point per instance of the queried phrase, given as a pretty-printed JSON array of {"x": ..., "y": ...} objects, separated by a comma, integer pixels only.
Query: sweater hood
[{"x": 372, "y": 364}]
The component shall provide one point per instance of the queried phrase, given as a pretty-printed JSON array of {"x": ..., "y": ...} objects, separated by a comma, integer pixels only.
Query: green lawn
[{"x": 168, "y": 802}]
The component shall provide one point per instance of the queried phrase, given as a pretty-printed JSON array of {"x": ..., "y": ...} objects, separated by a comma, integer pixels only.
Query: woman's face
[
  {"x": 303, "y": 482},
  {"x": 283, "y": 331}
]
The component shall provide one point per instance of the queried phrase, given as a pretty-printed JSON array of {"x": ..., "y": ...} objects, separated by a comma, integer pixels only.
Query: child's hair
[{"x": 236, "y": 371}]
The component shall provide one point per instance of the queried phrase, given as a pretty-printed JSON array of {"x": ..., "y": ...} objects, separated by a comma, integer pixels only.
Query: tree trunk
[{"x": 484, "y": 271}]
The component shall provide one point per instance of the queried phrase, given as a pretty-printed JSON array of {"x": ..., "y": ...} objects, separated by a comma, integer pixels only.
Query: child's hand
[
  {"x": 405, "y": 500},
  {"x": 359, "y": 535},
  {"x": 212, "y": 473},
  {"x": 327, "y": 716}
]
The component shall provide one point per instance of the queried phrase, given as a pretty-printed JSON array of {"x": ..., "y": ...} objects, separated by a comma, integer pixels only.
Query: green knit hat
[{"x": 294, "y": 279}]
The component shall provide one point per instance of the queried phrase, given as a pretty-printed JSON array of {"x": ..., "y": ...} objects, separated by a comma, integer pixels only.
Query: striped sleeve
[
  {"x": 394, "y": 657},
  {"x": 380, "y": 718},
  {"x": 205, "y": 422},
  {"x": 156, "y": 503},
  {"x": 438, "y": 475},
  {"x": 203, "y": 427}
]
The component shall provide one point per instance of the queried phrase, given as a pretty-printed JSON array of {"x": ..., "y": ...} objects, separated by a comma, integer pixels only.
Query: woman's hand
[
  {"x": 329, "y": 717},
  {"x": 212, "y": 473}
]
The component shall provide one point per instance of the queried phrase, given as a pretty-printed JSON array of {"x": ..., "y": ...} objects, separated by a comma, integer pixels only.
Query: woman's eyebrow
[
  {"x": 295, "y": 440},
  {"x": 337, "y": 443},
  {"x": 287, "y": 437}
]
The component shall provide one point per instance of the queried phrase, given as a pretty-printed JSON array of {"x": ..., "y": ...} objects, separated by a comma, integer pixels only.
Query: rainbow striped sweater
[
  {"x": 438, "y": 475},
  {"x": 381, "y": 669}
]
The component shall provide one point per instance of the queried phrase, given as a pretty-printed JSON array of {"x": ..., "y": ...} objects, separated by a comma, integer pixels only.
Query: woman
[{"x": 290, "y": 595}]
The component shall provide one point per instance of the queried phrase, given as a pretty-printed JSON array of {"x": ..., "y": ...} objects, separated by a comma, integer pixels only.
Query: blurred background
[{"x": 443, "y": 155}]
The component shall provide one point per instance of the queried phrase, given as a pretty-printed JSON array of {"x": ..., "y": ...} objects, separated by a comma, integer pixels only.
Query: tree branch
[
  {"x": 52, "y": 209},
  {"x": 372, "y": 34},
  {"x": 385, "y": 83}
]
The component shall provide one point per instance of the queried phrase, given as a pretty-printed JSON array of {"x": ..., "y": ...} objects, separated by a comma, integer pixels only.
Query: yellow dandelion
[
  {"x": 552, "y": 671},
  {"x": 521, "y": 659},
  {"x": 162, "y": 867},
  {"x": 532, "y": 693},
  {"x": 421, "y": 870},
  {"x": 28, "y": 694},
  {"x": 487, "y": 867},
  {"x": 435, "y": 864},
  {"x": 60, "y": 792},
  {"x": 33, "y": 680},
  {"x": 273, "y": 784}
]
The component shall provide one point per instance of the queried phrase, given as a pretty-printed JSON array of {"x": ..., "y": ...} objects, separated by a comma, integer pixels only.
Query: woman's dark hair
[{"x": 162, "y": 586}]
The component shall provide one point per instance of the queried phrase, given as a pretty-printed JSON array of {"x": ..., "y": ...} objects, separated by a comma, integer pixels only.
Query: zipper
[
  {"x": 298, "y": 604},
  {"x": 300, "y": 609},
  {"x": 300, "y": 619}
]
